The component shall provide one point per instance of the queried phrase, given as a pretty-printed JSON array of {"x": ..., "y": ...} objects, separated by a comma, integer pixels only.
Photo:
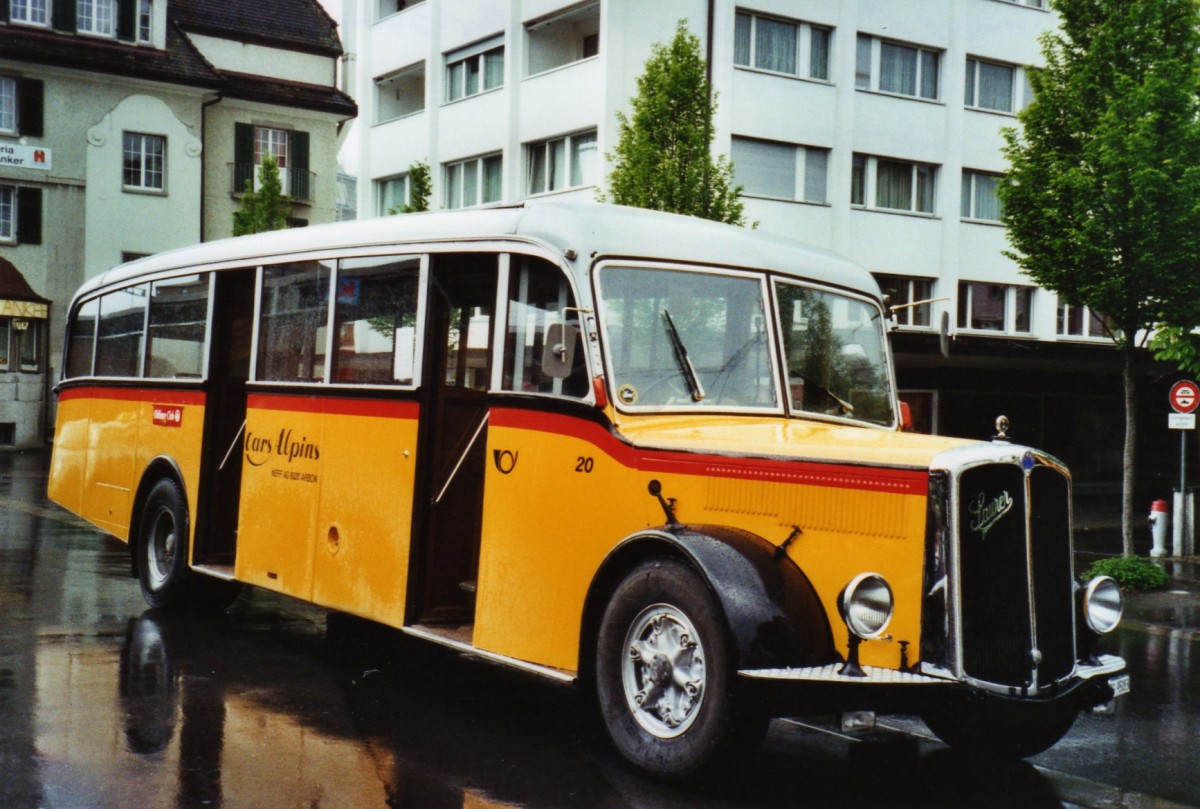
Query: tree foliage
[
  {"x": 266, "y": 208},
  {"x": 663, "y": 157},
  {"x": 1102, "y": 203},
  {"x": 420, "y": 186}
]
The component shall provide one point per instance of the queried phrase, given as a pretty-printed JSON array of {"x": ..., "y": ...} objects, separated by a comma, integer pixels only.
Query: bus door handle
[{"x": 462, "y": 457}]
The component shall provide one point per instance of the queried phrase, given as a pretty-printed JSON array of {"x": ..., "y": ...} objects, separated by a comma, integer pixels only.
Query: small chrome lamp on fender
[{"x": 866, "y": 606}]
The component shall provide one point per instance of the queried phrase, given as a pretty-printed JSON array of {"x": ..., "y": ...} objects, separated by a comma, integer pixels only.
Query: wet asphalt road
[{"x": 104, "y": 703}]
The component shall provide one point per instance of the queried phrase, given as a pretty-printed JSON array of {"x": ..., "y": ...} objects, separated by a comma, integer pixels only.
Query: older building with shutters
[{"x": 129, "y": 127}]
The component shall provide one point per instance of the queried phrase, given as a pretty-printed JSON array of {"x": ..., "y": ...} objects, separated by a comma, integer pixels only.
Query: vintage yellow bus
[{"x": 657, "y": 457}]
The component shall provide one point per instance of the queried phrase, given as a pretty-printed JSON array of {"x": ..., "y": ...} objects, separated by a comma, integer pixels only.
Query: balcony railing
[{"x": 299, "y": 184}]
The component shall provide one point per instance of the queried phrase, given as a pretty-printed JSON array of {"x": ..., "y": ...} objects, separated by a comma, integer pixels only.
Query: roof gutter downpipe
[{"x": 204, "y": 156}]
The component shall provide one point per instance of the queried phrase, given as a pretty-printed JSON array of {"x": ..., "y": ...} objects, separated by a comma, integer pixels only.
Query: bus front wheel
[
  {"x": 664, "y": 673},
  {"x": 163, "y": 546}
]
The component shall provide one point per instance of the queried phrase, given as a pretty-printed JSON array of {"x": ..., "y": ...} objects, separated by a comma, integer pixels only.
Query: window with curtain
[
  {"x": 892, "y": 67},
  {"x": 473, "y": 182},
  {"x": 995, "y": 307},
  {"x": 980, "y": 196},
  {"x": 96, "y": 17},
  {"x": 473, "y": 70},
  {"x": 777, "y": 45},
  {"x": 901, "y": 292},
  {"x": 559, "y": 163},
  {"x": 780, "y": 170},
  {"x": 990, "y": 86},
  {"x": 894, "y": 185},
  {"x": 1082, "y": 321},
  {"x": 393, "y": 194},
  {"x": 8, "y": 104},
  {"x": 8, "y": 212},
  {"x": 144, "y": 161}
]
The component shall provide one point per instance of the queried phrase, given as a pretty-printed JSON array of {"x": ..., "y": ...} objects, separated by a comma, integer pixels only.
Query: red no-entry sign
[{"x": 1185, "y": 396}]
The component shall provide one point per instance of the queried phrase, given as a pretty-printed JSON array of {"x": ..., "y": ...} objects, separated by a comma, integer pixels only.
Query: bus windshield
[
  {"x": 683, "y": 338},
  {"x": 834, "y": 350}
]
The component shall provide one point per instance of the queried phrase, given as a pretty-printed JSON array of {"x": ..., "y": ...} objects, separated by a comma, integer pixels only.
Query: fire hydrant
[{"x": 1158, "y": 527}]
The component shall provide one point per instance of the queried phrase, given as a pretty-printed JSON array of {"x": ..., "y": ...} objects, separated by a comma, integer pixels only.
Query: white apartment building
[{"x": 870, "y": 127}]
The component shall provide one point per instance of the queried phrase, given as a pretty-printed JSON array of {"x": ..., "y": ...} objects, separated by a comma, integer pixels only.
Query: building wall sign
[
  {"x": 30, "y": 309},
  {"x": 16, "y": 155}
]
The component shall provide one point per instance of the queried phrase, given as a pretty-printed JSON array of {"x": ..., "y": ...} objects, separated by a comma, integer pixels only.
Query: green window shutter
[
  {"x": 301, "y": 178},
  {"x": 62, "y": 16},
  {"x": 243, "y": 156},
  {"x": 30, "y": 107},
  {"x": 29, "y": 215},
  {"x": 3, "y": 10}
]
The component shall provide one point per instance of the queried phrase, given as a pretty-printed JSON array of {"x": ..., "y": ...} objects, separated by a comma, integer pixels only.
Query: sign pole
[{"x": 1184, "y": 399}]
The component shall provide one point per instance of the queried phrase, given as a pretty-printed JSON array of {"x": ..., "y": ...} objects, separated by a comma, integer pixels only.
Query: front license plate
[{"x": 1119, "y": 685}]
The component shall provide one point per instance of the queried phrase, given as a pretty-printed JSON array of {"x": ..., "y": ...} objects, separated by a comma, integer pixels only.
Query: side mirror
[{"x": 558, "y": 355}]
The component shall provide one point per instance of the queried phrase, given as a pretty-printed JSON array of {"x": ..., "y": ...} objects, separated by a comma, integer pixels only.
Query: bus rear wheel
[
  {"x": 163, "y": 546},
  {"x": 664, "y": 674}
]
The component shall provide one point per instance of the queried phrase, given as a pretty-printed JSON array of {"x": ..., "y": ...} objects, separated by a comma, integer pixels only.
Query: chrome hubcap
[
  {"x": 663, "y": 671},
  {"x": 162, "y": 544}
]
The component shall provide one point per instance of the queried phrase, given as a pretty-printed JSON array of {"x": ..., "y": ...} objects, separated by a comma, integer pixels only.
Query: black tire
[
  {"x": 163, "y": 547},
  {"x": 670, "y": 714},
  {"x": 1001, "y": 728}
]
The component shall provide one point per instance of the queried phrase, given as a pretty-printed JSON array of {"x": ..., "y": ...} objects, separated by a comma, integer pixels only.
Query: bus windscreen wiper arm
[{"x": 681, "y": 357}]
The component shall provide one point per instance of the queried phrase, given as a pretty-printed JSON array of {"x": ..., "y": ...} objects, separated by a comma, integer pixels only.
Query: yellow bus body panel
[{"x": 326, "y": 505}]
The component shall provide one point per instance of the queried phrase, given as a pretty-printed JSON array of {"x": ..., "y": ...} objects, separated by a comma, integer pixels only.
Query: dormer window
[
  {"x": 32, "y": 12},
  {"x": 96, "y": 17}
]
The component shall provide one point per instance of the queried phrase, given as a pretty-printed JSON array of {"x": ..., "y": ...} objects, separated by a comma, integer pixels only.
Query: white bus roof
[{"x": 591, "y": 231}]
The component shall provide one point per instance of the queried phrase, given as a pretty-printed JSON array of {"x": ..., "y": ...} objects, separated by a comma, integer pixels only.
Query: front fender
[{"x": 771, "y": 610}]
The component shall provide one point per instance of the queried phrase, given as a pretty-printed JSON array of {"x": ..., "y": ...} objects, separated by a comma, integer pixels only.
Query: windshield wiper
[
  {"x": 681, "y": 357},
  {"x": 846, "y": 408}
]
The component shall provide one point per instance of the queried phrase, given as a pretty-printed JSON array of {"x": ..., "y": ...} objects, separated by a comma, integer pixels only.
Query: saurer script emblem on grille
[{"x": 985, "y": 514}]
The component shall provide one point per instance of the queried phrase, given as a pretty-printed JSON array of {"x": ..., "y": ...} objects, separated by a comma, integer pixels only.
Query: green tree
[
  {"x": 420, "y": 186},
  {"x": 663, "y": 158},
  {"x": 1102, "y": 203},
  {"x": 268, "y": 208}
]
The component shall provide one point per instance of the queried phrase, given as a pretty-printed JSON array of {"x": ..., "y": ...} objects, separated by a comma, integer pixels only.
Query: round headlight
[
  {"x": 866, "y": 605},
  {"x": 1102, "y": 604}
]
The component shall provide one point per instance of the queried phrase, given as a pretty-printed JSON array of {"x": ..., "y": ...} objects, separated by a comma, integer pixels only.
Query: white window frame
[
  {"x": 8, "y": 213},
  {"x": 1018, "y": 95},
  {"x": 140, "y": 141},
  {"x": 384, "y": 201},
  {"x": 8, "y": 105},
  {"x": 868, "y": 75},
  {"x": 911, "y": 289},
  {"x": 388, "y": 8},
  {"x": 96, "y": 17},
  {"x": 475, "y": 56},
  {"x": 968, "y": 206},
  {"x": 30, "y": 12},
  {"x": 456, "y": 175},
  {"x": 575, "y": 174},
  {"x": 803, "y": 46},
  {"x": 145, "y": 22},
  {"x": 870, "y": 190},
  {"x": 1009, "y": 326},
  {"x": 1091, "y": 324},
  {"x": 1038, "y": 4},
  {"x": 800, "y": 169}
]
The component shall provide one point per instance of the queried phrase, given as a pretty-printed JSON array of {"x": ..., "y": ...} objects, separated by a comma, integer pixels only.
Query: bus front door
[{"x": 453, "y": 441}]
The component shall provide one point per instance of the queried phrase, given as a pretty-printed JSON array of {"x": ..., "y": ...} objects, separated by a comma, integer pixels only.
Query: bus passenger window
[
  {"x": 541, "y": 318},
  {"x": 82, "y": 339},
  {"x": 119, "y": 338},
  {"x": 375, "y": 321},
  {"x": 178, "y": 321},
  {"x": 294, "y": 320}
]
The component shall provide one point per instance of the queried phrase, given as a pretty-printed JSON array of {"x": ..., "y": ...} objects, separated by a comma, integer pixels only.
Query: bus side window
[
  {"x": 178, "y": 321},
  {"x": 294, "y": 322},
  {"x": 82, "y": 339},
  {"x": 375, "y": 320},
  {"x": 541, "y": 306},
  {"x": 122, "y": 327}
]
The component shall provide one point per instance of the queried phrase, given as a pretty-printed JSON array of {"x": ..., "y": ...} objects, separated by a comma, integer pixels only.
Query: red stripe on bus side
[
  {"x": 780, "y": 470},
  {"x": 334, "y": 406},
  {"x": 150, "y": 395}
]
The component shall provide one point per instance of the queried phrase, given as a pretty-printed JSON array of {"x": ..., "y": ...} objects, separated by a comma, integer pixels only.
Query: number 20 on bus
[{"x": 659, "y": 459}]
